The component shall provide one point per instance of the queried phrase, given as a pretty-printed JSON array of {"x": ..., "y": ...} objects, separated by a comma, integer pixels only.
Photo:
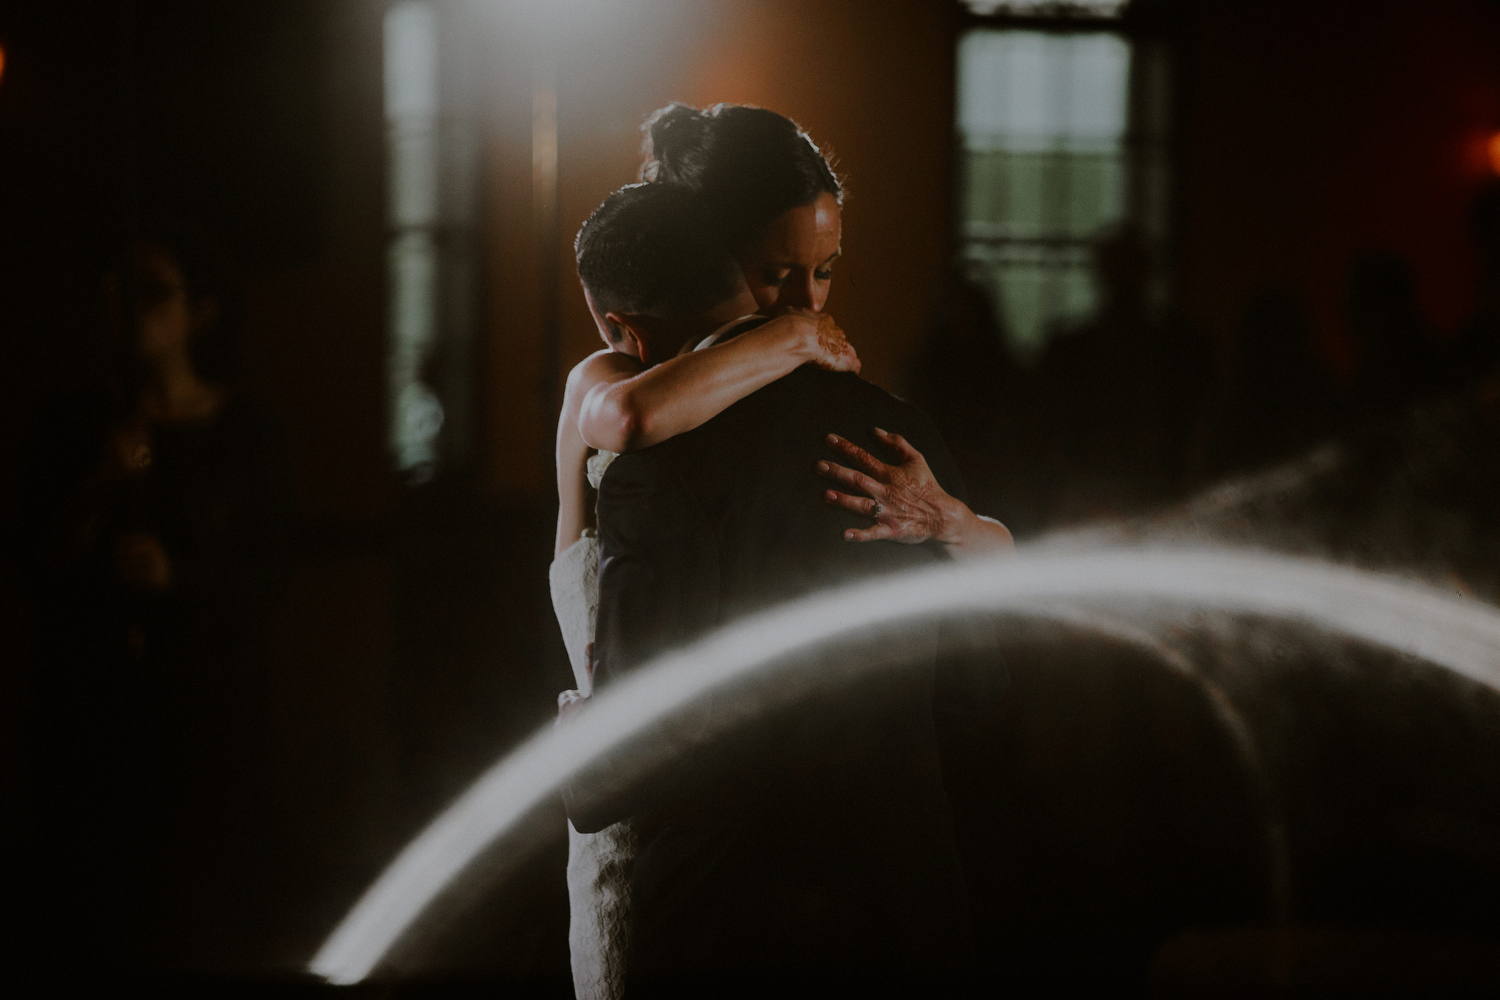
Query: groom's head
[{"x": 656, "y": 272}]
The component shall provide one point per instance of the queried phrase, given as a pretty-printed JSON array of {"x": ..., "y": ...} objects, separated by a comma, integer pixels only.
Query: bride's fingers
[
  {"x": 863, "y": 506},
  {"x": 852, "y": 504},
  {"x": 836, "y": 499},
  {"x": 878, "y": 533},
  {"x": 902, "y": 446},
  {"x": 831, "y": 339},
  {"x": 861, "y": 457},
  {"x": 848, "y": 477},
  {"x": 845, "y": 361}
]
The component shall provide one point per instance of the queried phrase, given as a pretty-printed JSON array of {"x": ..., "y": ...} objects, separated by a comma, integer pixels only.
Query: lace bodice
[{"x": 597, "y": 463}]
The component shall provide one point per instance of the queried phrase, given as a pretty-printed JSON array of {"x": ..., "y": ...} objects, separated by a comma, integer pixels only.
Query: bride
[{"x": 776, "y": 201}]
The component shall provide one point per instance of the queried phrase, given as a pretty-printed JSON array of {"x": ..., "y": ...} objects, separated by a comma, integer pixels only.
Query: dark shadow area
[{"x": 227, "y": 702}]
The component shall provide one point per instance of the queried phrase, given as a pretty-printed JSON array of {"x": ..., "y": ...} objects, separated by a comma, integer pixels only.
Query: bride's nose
[{"x": 804, "y": 291}]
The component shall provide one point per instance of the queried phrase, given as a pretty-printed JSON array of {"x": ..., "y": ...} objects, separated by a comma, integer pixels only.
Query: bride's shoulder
[
  {"x": 601, "y": 365},
  {"x": 601, "y": 362}
]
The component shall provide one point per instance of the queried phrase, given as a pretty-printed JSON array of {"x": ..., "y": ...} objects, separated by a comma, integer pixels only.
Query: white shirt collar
[{"x": 713, "y": 338}]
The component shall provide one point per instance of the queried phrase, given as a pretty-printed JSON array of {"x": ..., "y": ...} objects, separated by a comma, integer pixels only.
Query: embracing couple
[{"x": 812, "y": 842}]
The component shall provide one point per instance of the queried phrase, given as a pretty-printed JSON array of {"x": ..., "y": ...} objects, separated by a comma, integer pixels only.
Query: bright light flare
[{"x": 1461, "y": 635}]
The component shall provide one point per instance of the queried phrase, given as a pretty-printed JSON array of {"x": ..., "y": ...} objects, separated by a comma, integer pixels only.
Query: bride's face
[{"x": 792, "y": 265}]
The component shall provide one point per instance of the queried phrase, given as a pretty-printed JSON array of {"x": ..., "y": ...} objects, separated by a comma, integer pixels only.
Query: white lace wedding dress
[{"x": 598, "y": 863}]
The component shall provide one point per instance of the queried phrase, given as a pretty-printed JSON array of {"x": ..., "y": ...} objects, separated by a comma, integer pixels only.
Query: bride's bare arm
[
  {"x": 572, "y": 451},
  {"x": 626, "y": 413},
  {"x": 611, "y": 404},
  {"x": 907, "y": 503}
]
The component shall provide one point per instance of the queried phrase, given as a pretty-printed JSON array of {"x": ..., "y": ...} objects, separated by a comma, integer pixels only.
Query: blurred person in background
[
  {"x": 982, "y": 401},
  {"x": 1398, "y": 349},
  {"x": 1475, "y": 352},
  {"x": 1279, "y": 399},
  {"x": 1124, "y": 394},
  {"x": 1112, "y": 420},
  {"x": 158, "y": 507}
]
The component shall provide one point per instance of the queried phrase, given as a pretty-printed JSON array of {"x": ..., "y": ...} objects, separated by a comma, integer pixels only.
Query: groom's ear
[{"x": 635, "y": 337}]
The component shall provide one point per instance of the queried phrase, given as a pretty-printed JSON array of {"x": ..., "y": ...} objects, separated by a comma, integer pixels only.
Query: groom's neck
[
  {"x": 706, "y": 322},
  {"x": 680, "y": 335}
]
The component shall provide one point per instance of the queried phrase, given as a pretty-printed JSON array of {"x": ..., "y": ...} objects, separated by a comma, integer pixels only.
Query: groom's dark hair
[{"x": 655, "y": 250}]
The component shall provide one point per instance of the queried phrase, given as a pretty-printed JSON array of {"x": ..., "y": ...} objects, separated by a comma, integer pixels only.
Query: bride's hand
[
  {"x": 906, "y": 501},
  {"x": 835, "y": 353},
  {"x": 823, "y": 342}
]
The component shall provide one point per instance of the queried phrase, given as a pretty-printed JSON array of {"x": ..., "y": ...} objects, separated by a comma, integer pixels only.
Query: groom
[{"x": 813, "y": 839}]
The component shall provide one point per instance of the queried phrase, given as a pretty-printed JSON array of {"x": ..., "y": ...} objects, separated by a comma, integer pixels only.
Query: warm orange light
[
  {"x": 1494, "y": 150},
  {"x": 2, "y": 62}
]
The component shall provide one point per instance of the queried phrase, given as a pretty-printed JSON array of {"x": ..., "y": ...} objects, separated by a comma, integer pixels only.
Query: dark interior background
[{"x": 416, "y": 640}]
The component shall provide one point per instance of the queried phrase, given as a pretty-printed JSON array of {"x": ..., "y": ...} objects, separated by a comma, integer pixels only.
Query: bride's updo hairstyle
[{"x": 749, "y": 164}]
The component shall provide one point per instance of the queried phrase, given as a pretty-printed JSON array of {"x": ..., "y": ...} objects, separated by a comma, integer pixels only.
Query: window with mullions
[
  {"x": 431, "y": 157},
  {"x": 1061, "y": 140}
]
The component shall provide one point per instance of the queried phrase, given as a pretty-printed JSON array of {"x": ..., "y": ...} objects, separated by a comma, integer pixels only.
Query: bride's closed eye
[{"x": 778, "y": 276}]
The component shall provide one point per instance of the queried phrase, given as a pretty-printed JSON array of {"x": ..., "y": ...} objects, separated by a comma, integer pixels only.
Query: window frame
[{"x": 1148, "y": 146}]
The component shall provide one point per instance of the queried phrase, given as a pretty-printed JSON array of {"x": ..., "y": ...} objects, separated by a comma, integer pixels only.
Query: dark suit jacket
[{"x": 815, "y": 836}]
